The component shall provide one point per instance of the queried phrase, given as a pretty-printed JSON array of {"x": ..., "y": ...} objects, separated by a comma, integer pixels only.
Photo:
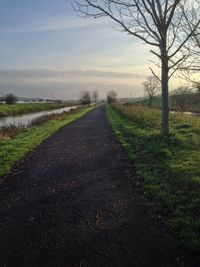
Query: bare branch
[
  {"x": 167, "y": 25},
  {"x": 153, "y": 73}
]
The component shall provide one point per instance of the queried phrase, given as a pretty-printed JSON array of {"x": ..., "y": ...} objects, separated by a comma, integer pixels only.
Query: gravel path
[{"x": 70, "y": 203}]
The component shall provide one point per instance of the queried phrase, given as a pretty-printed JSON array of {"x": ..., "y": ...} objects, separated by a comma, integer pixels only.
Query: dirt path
[{"x": 70, "y": 203}]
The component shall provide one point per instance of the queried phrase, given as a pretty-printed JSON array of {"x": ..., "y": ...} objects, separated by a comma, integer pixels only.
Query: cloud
[
  {"x": 70, "y": 90},
  {"x": 68, "y": 84},
  {"x": 50, "y": 24},
  {"x": 43, "y": 74}
]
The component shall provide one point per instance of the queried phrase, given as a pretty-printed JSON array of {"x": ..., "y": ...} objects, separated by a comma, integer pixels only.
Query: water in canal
[{"x": 27, "y": 119}]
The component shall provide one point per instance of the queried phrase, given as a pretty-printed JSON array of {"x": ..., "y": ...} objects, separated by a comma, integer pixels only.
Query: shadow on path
[{"x": 70, "y": 203}]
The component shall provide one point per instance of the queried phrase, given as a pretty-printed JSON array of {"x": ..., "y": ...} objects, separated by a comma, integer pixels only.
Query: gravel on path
[{"x": 71, "y": 203}]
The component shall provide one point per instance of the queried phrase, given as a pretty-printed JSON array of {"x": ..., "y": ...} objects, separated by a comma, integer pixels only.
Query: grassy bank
[
  {"x": 167, "y": 168},
  {"x": 15, "y": 146},
  {"x": 23, "y": 108},
  {"x": 156, "y": 102},
  {"x": 191, "y": 105}
]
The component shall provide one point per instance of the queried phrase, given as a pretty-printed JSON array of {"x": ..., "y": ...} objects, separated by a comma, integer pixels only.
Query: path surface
[{"x": 71, "y": 204}]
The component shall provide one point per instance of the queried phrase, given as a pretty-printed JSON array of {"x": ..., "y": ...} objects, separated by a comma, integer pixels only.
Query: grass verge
[
  {"x": 192, "y": 104},
  {"x": 156, "y": 102},
  {"x": 168, "y": 168},
  {"x": 23, "y": 108},
  {"x": 13, "y": 148}
]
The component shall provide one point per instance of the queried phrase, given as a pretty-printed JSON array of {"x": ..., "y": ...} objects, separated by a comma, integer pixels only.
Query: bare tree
[
  {"x": 85, "y": 97},
  {"x": 198, "y": 89},
  {"x": 157, "y": 23},
  {"x": 95, "y": 96},
  {"x": 111, "y": 97},
  {"x": 196, "y": 99},
  {"x": 181, "y": 98},
  {"x": 151, "y": 87},
  {"x": 10, "y": 99},
  {"x": 190, "y": 67},
  {"x": 1, "y": 99}
]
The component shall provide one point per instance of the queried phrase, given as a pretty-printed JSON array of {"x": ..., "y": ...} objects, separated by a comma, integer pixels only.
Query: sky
[{"x": 47, "y": 50}]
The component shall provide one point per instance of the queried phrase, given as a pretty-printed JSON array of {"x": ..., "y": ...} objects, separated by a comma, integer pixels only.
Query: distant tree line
[
  {"x": 12, "y": 99},
  {"x": 87, "y": 97},
  {"x": 185, "y": 98},
  {"x": 111, "y": 97},
  {"x": 9, "y": 99}
]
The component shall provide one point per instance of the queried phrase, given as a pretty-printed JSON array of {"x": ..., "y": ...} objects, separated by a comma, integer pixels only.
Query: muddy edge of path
[{"x": 71, "y": 203}]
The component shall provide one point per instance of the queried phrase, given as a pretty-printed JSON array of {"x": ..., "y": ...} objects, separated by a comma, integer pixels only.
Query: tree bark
[
  {"x": 150, "y": 100},
  {"x": 165, "y": 93}
]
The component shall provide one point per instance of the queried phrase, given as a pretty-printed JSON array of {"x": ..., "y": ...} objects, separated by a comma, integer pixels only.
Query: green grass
[
  {"x": 168, "y": 168},
  {"x": 156, "y": 102},
  {"x": 192, "y": 106},
  {"x": 12, "y": 149},
  {"x": 18, "y": 109}
]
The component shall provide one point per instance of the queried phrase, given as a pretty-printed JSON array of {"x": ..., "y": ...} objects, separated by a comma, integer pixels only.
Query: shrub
[{"x": 10, "y": 99}]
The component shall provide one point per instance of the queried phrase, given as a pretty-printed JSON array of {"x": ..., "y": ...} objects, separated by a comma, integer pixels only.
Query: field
[
  {"x": 167, "y": 169},
  {"x": 15, "y": 143},
  {"x": 18, "y": 109},
  {"x": 192, "y": 105},
  {"x": 156, "y": 102}
]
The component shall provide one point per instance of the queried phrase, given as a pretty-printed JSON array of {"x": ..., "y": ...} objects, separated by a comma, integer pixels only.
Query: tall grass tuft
[{"x": 144, "y": 115}]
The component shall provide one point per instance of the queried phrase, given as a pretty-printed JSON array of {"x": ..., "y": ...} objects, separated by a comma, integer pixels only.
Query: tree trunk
[
  {"x": 165, "y": 95},
  {"x": 150, "y": 100}
]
